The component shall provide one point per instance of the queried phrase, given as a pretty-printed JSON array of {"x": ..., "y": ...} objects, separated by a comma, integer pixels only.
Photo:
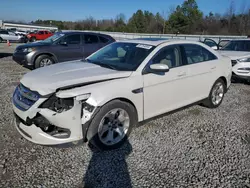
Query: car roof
[
  {"x": 158, "y": 41},
  {"x": 246, "y": 39},
  {"x": 81, "y": 32}
]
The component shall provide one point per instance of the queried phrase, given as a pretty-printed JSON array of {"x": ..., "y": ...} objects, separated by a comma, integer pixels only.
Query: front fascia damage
[
  {"x": 50, "y": 122},
  {"x": 85, "y": 109},
  {"x": 65, "y": 115}
]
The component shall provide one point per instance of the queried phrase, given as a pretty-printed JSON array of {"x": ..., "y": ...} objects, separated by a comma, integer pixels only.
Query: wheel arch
[
  {"x": 123, "y": 99},
  {"x": 224, "y": 80},
  {"x": 45, "y": 53}
]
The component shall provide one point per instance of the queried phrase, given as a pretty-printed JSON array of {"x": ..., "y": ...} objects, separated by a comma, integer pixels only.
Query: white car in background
[
  {"x": 214, "y": 45},
  {"x": 21, "y": 33},
  {"x": 239, "y": 52},
  {"x": 100, "y": 99},
  {"x": 10, "y": 36}
]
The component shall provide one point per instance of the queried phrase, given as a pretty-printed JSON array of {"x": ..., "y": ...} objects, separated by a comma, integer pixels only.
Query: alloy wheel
[
  {"x": 113, "y": 126},
  {"x": 217, "y": 93}
]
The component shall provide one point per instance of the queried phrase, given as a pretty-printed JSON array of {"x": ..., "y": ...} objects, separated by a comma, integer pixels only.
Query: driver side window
[
  {"x": 169, "y": 55},
  {"x": 72, "y": 39}
]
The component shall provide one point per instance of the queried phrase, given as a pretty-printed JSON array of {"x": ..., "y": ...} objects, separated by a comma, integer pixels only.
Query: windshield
[
  {"x": 121, "y": 56},
  {"x": 240, "y": 45},
  {"x": 53, "y": 38}
]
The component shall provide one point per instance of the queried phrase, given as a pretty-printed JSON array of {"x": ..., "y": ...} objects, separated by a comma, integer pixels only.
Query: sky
[{"x": 73, "y": 10}]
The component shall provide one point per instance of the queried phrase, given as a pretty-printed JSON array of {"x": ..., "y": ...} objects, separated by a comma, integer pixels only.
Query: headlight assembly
[
  {"x": 28, "y": 50},
  {"x": 243, "y": 60},
  {"x": 58, "y": 104}
]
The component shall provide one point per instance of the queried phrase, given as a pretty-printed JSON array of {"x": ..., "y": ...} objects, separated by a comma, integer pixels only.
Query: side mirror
[{"x": 159, "y": 67}]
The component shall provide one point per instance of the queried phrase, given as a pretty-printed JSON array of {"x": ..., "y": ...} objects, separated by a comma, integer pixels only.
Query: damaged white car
[{"x": 101, "y": 98}]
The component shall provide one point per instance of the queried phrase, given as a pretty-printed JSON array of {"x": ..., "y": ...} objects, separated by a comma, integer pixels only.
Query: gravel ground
[{"x": 194, "y": 147}]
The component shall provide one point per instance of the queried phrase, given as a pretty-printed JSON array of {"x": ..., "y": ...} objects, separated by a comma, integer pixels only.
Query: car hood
[
  {"x": 234, "y": 54},
  {"x": 33, "y": 45},
  {"x": 48, "y": 79}
]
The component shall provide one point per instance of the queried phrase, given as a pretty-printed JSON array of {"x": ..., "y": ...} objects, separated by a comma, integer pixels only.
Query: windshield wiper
[
  {"x": 106, "y": 66},
  {"x": 100, "y": 64}
]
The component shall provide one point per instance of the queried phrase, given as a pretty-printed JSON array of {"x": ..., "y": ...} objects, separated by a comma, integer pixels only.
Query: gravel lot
[{"x": 194, "y": 147}]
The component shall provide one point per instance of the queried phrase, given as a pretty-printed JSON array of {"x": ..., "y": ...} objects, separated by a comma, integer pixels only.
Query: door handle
[{"x": 182, "y": 74}]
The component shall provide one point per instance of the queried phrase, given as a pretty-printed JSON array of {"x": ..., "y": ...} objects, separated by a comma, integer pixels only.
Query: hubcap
[
  {"x": 113, "y": 126},
  {"x": 45, "y": 62},
  {"x": 217, "y": 93}
]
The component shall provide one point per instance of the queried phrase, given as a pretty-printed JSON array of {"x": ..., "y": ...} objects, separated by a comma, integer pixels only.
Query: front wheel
[
  {"x": 216, "y": 94},
  {"x": 44, "y": 60},
  {"x": 112, "y": 125}
]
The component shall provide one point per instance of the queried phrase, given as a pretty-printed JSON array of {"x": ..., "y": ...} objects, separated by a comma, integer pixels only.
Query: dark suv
[{"x": 60, "y": 47}]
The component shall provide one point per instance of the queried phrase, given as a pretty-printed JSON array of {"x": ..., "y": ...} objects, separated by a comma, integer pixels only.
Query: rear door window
[
  {"x": 247, "y": 46},
  {"x": 41, "y": 33},
  {"x": 196, "y": 54},
  {"x": 103, "y": 39},
  {"x": 73, "y": 39},
  {"x": 90, "y": 39},
  {"x": 4, "y": 32}
]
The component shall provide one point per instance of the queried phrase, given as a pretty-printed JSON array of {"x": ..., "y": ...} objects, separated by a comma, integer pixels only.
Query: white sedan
[{"x": 100, "y": 99}]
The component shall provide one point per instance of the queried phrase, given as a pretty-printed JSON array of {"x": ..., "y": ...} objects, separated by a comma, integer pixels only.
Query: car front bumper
[
  {"x": 25, "y": 59},
  {"x": 69, "y": 120},
  {"x": 242, "y": 70}
]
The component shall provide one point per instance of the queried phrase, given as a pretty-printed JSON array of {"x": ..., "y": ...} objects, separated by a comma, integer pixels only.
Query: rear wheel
[
  {"x": 112, "y": 125},
  {"x": 44, "y": 60},
  {"x": 216, "y": 94},
  {"x": 1, "y": 40}
]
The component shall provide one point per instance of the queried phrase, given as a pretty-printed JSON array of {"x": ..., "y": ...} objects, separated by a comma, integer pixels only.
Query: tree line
[{"x": 186, "y": 18}]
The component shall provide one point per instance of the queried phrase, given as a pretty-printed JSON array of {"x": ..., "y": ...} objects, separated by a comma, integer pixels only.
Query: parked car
[
  {"x": 214, "y": 45},
  {"x": 100, "y": 99},
  {"x": 20, "y": 32},
  {"x": 62, "y": 46},
  {"x": 10, "y": 36},
  {"x": 239, "y": 52},
  {"x": 39, "y": 35}
]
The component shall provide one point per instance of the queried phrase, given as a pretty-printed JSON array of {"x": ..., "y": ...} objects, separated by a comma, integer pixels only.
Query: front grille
[
  {"x": 24, "y": 98},
  {"x": 234, "y": 62}
]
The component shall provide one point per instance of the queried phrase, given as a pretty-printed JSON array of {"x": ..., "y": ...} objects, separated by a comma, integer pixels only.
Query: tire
[
  {"x": 40, "y": 61},
  {"x": 211, "y": 102},
  {"x": 1, "y": 40},
  {"x": 96, "y": 135}
]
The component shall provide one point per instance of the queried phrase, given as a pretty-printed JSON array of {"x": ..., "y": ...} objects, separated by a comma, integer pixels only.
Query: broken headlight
[{"x": 58, "y": 104}]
